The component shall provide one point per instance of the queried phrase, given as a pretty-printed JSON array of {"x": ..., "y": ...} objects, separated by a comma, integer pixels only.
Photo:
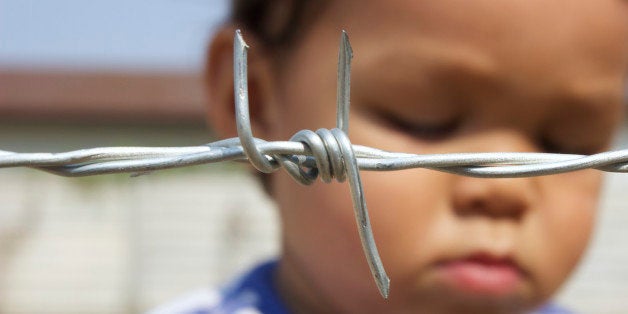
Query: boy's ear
[{"x": 219, "y": 84}]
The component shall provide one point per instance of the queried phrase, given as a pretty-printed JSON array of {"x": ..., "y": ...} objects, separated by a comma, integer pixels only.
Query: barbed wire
[{"x": 327, "y": 154}]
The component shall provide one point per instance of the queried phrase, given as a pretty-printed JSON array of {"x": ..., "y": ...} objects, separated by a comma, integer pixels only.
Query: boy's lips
[{"x": 481, "y": 274}]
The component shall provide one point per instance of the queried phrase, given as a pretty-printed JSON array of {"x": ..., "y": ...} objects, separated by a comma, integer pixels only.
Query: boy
[{"x": 433, "y": 76}]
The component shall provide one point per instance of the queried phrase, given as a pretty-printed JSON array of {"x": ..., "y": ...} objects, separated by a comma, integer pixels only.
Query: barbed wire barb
[
  {"x": 341, "y": 133},
  {"x": 328, "y": 154}
]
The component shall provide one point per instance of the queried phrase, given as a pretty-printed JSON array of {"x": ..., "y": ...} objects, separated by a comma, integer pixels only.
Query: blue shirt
[{"x": 253, "y": 293}]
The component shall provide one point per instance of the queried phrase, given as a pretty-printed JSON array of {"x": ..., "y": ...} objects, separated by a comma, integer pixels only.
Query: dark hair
[{"x": 276, "y": 23}]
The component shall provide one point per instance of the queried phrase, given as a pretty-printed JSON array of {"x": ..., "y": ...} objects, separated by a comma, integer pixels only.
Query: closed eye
[
  {"x": 549, "y": 146},
  {"x": 431, "y": 131}
]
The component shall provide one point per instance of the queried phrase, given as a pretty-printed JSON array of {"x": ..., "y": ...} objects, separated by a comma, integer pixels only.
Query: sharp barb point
[
  {"x": 384, "y": 287},
  {"x": 346, "y": 45},
  {"x": 241, "y": 40}
]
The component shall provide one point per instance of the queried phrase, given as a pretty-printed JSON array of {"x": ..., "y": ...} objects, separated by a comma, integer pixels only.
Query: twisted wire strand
[
  {"x": 109, "y": 160},
  {"x": 308, "y": 155}
]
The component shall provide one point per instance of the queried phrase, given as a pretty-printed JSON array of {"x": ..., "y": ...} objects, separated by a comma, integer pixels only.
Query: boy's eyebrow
[
  {"x": 464, "y": 60},
  {"x": 593, "y": 91},
  {"x": 440, "y": 58}
]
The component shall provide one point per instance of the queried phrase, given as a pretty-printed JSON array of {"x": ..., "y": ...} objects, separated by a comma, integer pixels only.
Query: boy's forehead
[
  {"x": 507, "y": 21},
  {"x": 581, "y": 41}
]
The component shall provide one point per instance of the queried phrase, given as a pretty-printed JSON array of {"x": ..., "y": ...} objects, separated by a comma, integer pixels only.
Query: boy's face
[{"x": 451, "y": 76}]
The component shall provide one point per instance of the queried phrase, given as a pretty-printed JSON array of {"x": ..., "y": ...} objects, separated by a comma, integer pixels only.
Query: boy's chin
[{"x": 448, "y": 300}]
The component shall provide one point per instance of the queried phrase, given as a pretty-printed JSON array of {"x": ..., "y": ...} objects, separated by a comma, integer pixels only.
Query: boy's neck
[{"x": 298, "y": 290}]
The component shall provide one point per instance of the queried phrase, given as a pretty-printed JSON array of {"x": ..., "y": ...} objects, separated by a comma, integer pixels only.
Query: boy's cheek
[
  {"x": 559, "y": 228},
  {"x": 568, "y": 204}
]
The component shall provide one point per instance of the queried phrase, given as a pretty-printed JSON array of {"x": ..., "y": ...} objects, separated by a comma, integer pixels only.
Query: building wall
[{"x": 115, "y": 244}]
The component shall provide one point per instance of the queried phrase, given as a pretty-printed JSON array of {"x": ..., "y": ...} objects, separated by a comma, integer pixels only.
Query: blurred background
[{"x": 77, "y": 74}]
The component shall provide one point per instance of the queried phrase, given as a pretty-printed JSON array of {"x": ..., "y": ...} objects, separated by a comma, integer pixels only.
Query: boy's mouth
[{"x": 481, "y": 274}]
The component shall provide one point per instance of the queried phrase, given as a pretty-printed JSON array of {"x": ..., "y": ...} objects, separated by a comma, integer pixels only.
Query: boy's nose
[
  {"x": 507, "y": 198},
  {"x": 504, "y": 198}
]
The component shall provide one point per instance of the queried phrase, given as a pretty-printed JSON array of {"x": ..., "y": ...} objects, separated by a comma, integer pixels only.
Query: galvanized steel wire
[{"x": 308, "y": 155}]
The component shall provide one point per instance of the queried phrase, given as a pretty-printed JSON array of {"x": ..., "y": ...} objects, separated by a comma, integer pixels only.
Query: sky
[{"x": 109, "y": 34}]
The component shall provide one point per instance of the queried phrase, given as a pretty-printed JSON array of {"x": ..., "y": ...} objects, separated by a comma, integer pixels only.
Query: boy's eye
[
  {"x": 427, "y": 130},
  {"x": 550, "y": 146}
]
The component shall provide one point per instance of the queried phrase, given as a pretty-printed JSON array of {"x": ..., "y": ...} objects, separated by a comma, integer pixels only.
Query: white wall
[{"x": 119, "y": 245}]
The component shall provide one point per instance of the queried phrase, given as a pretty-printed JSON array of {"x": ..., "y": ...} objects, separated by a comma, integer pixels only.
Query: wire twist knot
[{"x": 324, "y": 145}]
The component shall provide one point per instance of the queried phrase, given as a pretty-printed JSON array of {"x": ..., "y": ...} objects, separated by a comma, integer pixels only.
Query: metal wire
[{"x": 308, "y": 155}]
